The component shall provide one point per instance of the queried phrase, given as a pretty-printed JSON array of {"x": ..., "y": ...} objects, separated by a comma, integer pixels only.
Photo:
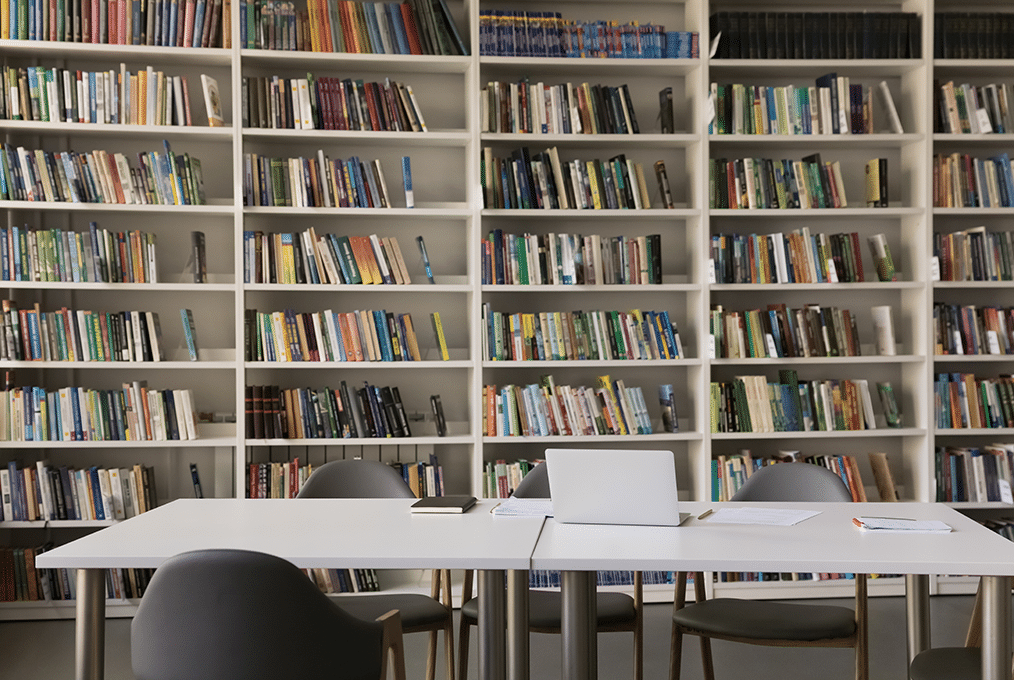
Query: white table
[
  {"x": 361, "y": 533},
  {"x": 828, "y": 542}
]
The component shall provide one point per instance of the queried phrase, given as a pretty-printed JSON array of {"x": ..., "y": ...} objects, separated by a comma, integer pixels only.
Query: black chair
[
  {"x": 352, "y": 478},
  {"x": 242, "y": 615},
  {"x": 774, "y": 624},
  {"x": 615, "y": 611}
]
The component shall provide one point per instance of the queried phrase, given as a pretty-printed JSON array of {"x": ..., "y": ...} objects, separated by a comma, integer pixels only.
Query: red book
[
  {"x": 324, "y": 97},
  {"x": 86, "y": 21},
  {"x": 121, "y": 22},
  {"x": 188, "y": 24},
  {"x": 371, "y": 106},
  {"x": 342, "y": 113},
  {"x": 94, "y": 38},
  {"x": 348, "y": 31},
  {"x": 52, "y": 20},
  {"x": 414, "y": 45}
]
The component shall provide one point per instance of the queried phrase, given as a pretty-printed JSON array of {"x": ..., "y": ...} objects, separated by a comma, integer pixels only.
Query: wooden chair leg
[
  {"x": 463, "y": 650},
  {"x": 449, "y": 647},
  {"x": 392, "y": 645},
  {"x": 862, "y": 629},
  {"x": 706, "y": 661},
  {"x": 675, "y": 653},
  {"x": 638, "y": 654},
  {"x": 431, "y": 656}
]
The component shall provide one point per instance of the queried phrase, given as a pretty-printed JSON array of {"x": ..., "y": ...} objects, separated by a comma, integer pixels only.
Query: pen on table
[
  {"x": 494, "y": 508},
  {"x": 704, "y": 514}
]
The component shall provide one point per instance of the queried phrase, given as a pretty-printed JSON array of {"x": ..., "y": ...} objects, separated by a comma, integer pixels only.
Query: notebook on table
[{"x": 610, "y": 486}]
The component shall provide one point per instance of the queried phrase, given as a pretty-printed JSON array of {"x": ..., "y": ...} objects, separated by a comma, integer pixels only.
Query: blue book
[
  {"x": 198, "y": 24},
  {"x": 173, "y": 20},
  {"x": 93, "y": 478},
  {"x": 75, "y": 407},
  {"x": 135, "y": 21},
  {"x": 406, "y": 178},
  {"x": 383, "y": 334},
  {"x": 373, "y": 27},
  {"x": 395, "y": 20}
]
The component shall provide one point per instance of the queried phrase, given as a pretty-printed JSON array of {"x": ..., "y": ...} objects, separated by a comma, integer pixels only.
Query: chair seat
[
  {"x": 947, "y": 663},
  {"x": 415, "y": 610},
  {"x": 544, "y": 607},
  {"x": 759, "y": 620}
]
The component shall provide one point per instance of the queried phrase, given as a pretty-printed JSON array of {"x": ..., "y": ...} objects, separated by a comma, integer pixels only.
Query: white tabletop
[
  {"x": 378, "y": 533},
  {"x": 829, "y": 542}
]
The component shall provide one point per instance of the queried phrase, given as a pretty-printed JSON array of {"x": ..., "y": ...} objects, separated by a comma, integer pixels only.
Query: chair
[
  {"x": 774, "y": 624},
  {"x": 616, "y": 611},
  {"x": 242, "y": 615},
  {"x": 353, "y": 478}
]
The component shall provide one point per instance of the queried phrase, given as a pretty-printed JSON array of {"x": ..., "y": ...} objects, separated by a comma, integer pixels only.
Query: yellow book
[
  {"x": 142, "y": 97},
  {"x": 5, "y": 21},
  {"x": 612, "y": 405},
  {"x": 527, "y": 333},
  {"x": 279, "y": 330},
  {"x": 593, "y": 182},
  {"x": 438, "y": 328}
]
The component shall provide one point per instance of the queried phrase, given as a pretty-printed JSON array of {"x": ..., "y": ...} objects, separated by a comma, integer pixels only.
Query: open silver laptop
[{"x": 610, "y": 486}]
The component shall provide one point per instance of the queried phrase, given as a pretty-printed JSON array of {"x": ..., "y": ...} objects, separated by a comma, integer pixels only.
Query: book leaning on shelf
[
  {"x": 973, "y": 473},
  {"x": 962, "y": 181},
  {"x": 511, "y": 33},
  {"x": 765, "y": 183},
  {"x": 314, "y": 182},
  {"x": 44, "y": 492},
  {"x": 544, "y": 181},
  {"x": 325, "y": 413},
  {"x": 117, "y": 97},
  {"x": 593, "y": 335},
  {"x": 811, "y": 331},
  {"x": 794, "y": 257},
  {"x": 100, "y": 177},
  {"x": 967, "y": 329},
  {"x": 322, "y": 103},
  {"x": 975, "y": 255},
  {"x": 570, "y": 259},
  {"x": 133, "y": 413},
  {"x": 832, "y": 106},
  {"x": 966, "y": 401},
  {"x": 526, "y": 107},
  {"x": 96, "y": 255},
  {"x": 751, "y": 403},
  {"x": 973, "y": 109},
  {"x": 412, "y": 27},
  {"x": 547, "y": 409},
  {"x": 326, "y": 259},
  {"x": 79, "y": 335},
  {"x": 194, "y": 23},
  {"x": 363, "y": 335}
]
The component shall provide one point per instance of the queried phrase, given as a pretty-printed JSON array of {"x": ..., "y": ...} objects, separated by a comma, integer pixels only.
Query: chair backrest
[
  {"x": 353, "y": 478},
  {"x": 793, "y": 482},
  {"x": 535, "y": 484},
  {"x": 242, "y": 615}
]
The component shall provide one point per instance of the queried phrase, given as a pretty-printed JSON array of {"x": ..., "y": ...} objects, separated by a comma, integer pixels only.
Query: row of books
[
  {"x": 20, "y": 581},
  {"x": 833, "y": 106},
  {"x": 1004, "y": 526},
  {"x": 344, "y": 580},
  {"x": 499, "y": 479},
  {"x": 751, "y": 403},
  {"x": 811, "y": 331},
  {"x": 759, "y": 576},
  {"x": 363, "y": 335},
  {"x": 411, "y": 27},
  {"x": 526, "y": 107},
  {"x": 570, "y": 336},
  {"x": 570, "y": 259},
  {"x": 43, "y": 492},
  {"x": 100, "y": 177},
  {"x": 305, "y": 257},
  {"x": 542, "y": 578},
  {"x": 817, "y": 35},
  {"x": 133, "y": 413},
  {"x": 276, "y": 479},
  {"x": 962, "y": 181},
  {"x": 116, "y": 97},
  {"x": 323, "y": 103},
  {"x": 547, "y": 409},
  {"x": 424, "y": 478},
  {"x": 973, "y": 109},
  {"x": 324, "y": 413},
  {"x": 965, "y": 401},
  {"x": 194, "y": 23},
  {"x": 760, "y": 183},
  {"x": 972, "y": 35},
  {"x": 516, "y": 33},
  {"x": 796, "y": 257},
  {"x": 729, "y": 473},
  {"x": 79, "y": 335},
  {"x": 973, "y": 473},
  {"x": 314, "y": 182},
  {"x": 542, "y": 180},
  {"x": 96, "y": 255},
  {"x": 968, "y": 329},
  {"x": 975, "y": 255}
]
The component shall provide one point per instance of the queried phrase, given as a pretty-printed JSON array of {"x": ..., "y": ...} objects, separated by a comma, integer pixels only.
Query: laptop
[{"x": 610, "y": 486}]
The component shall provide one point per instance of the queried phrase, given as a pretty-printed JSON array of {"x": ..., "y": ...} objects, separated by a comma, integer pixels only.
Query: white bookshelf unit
[{"x": 450, "y": 215}]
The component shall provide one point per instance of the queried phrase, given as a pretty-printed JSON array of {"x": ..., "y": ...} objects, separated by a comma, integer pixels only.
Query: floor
[{"x": 40, "y": 650}]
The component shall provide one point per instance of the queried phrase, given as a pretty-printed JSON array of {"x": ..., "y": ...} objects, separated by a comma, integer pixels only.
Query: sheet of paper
[
  {"x": 524, "y": 507},
  {"x": 778, "y": 517},
  {"x": 901, "y": 525}
]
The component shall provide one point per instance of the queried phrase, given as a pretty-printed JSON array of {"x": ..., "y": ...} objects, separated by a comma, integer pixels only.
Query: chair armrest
[{"x": 392, "y": 641}]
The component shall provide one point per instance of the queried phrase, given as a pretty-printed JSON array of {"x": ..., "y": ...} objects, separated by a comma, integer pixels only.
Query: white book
[
  {"x": 129, "y": 507},
  {"x": 305, "y": 111},
  {"x": 106, "y": 493},
  {"x": 892, "y": 111},
  {"x": 884, "y": 330},
  {"x": 45, "y": 491},
  {"x": 116, "y": 491},
  {"x": 5, "y": 489}
]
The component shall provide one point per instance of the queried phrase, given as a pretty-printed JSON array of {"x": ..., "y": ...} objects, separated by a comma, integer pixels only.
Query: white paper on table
[
  {"x": 901, "y": 525},
  {"x": 778, "y": 517},
  {"x": 524, "y": 507}
]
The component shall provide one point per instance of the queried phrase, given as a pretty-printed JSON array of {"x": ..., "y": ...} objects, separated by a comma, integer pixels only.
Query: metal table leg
[
  {"x": 917, "y": 609},
  {"x": 518, "y": 667},
  {"x": 580, "y": 646},
  {"x": 90, "y": 626},
  {"x": 492, "y": 631},
  {"x": 996, "y": 627}
]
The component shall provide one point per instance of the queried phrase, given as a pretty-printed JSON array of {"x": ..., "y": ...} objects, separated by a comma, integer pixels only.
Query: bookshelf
[{"x": 451, "y": 216}]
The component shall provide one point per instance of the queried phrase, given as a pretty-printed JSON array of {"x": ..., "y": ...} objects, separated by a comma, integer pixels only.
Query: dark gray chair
[
  {"x": 774, "y": 624},
  {"x": 352, "y": 478},
  {"x": 242, "y": 615},
  {"x": 615, "y": 611}
]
